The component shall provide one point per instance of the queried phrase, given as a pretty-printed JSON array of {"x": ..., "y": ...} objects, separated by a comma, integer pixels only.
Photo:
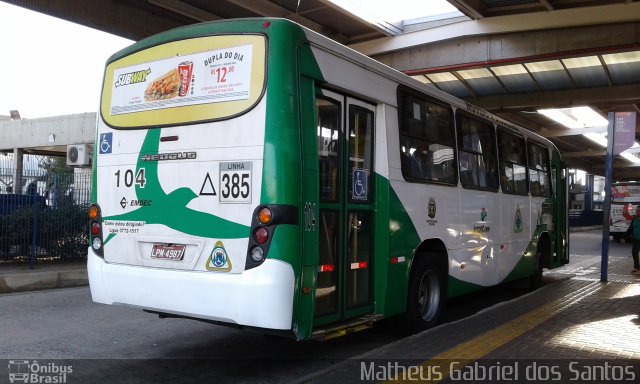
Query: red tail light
[
  {"x": 261, "y": 235},
  {"x": 95, "y": 228}
]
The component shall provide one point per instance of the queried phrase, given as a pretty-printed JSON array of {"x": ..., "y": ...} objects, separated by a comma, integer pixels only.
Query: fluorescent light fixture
[
  {"x": 622, "y": 58},
  {"x": 598, "y": 138},
  {"x": 585, "y": 117},
  {"x": 582, "y": 62},
  {"x": 576, "y": 117},
  {"x": 601, "y": 139},
  {"x": 441, "y": 77},
  {"x": 422, "y": 79},
  {"x": 470, "y": 74},
  {"x": 544, "y": 66},
  {"x": 507, "y": 70},
  {"x": 632, "y": 157}
]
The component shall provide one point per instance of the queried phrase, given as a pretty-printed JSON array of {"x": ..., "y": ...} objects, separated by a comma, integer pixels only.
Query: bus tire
[
  {"x": 426, "y": 297},
  {"x": 535, "y": 281}
]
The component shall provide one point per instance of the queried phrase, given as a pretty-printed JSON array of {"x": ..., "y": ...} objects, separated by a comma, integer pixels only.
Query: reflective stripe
[{"x": 359, "y": 265}]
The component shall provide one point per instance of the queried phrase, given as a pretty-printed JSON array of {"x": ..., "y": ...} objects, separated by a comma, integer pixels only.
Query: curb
[
  {"x": 585, "y": 229},
  {"x": 32, "y": 281}
]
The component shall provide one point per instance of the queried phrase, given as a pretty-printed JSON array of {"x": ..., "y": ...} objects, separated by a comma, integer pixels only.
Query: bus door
[{"x": 345, "y": 219}]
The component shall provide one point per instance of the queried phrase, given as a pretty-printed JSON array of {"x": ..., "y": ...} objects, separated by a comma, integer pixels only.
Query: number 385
[{"x": 236, "y": 185}]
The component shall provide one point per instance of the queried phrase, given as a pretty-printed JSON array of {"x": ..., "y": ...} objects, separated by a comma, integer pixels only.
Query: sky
[
  {"x": 48, "y": 66},
  {"x": 51, "y": 67}
]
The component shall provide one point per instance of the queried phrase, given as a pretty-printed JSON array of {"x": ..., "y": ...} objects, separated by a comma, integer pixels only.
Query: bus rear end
[{"x": 180, "y": 225}]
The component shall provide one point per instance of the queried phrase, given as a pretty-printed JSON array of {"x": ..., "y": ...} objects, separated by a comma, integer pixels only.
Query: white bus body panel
[
  {"x": 236, "y": 140},
  {"x": 259, "y": 297}
]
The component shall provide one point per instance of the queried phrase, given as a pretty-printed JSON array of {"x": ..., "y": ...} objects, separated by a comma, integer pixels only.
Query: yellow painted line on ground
[{"x": 480, "y": 346}]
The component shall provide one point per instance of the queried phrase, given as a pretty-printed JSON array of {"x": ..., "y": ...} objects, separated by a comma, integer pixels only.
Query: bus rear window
[{"x": 186, "y": 81}]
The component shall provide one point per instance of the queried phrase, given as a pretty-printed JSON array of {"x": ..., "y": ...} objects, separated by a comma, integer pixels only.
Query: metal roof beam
[
  {"x": 624, "y": 94},
  {"x": 271, "y": 9},
  {"x": 471, "y": 8},
  {"x": 547, "y": 5},
  {"x": 561, "y": 18},
  {"x": 185, "y": 9},
  {"x": 560, "y": 132},
  {"x": 589, "y": 153}
]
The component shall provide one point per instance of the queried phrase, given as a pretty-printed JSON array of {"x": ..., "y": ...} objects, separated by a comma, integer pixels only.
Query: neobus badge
[{"x": 170, "y": 156}]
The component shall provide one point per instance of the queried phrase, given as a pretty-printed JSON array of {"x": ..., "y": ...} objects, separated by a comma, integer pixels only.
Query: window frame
[
  {"x": 503, "y": 130},
  {"x": 545, "y": 148},
  {"x": 339, "y": 149},
  {"x": 459, "y": 137},
  {"x": 404, "y": 134}
]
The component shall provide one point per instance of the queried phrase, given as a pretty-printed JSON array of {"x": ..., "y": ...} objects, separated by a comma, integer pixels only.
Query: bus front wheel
[{"x": 427, "y": 294}]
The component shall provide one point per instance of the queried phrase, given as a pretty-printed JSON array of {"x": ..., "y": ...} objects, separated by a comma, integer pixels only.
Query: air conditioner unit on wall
[{"x": 79, "y": 155}]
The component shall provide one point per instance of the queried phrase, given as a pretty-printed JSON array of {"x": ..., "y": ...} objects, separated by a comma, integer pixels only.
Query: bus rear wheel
[
  {"x": 427, "y": 294},
  {"x": 535, "y": 280}
]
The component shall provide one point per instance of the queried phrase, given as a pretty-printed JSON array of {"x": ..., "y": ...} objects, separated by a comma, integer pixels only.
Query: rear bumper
[{"x": 260, "y": 297}]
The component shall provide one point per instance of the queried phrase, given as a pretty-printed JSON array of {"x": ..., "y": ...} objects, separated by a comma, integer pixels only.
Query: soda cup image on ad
[{"x": 184, "y": 70}]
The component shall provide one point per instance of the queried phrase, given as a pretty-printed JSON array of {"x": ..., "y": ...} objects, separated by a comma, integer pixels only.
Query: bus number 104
[{"x": 128, "y": 179}]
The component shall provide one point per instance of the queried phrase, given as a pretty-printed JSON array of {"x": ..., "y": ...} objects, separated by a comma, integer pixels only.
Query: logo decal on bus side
[
  {"x": 432, "y": 208},
  {"x": 431, "y": 212},
  {"x": 218, "y": 259},
  {"x": 517, "y": 224},
  {"x": 483, "y": 218}
]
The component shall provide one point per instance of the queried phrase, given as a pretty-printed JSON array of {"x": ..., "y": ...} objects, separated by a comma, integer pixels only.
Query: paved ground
[
  {"x": 573, "y": 317},
  {"x": 574, "y": 329}
]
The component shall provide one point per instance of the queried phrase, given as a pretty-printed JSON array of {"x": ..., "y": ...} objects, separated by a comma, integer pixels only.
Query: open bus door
[{"x": 344, "y": 284}]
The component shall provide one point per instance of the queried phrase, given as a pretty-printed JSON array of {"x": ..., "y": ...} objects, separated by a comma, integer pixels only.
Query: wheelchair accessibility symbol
[
  {"x": 359, "y": 187},
  {"x": 105, "y": 142}
]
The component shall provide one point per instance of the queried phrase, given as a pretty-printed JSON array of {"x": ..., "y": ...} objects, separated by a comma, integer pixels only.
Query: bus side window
[
  {"x": 539, "y": 182},
  {"x": 426, "y": 140},
  {"x": 513, "y": 163},
  {"x": 477, "y": 154},
  {"x": 328, "y": 149}
]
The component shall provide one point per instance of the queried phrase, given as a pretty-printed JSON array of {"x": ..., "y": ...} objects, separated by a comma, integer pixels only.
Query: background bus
[
  {"x": 625, "y": 197},
  {"x": 257, "y": 174}
]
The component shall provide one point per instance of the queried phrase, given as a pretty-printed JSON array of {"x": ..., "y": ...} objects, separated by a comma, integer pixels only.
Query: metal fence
[
  {"x": 582, "y": 218},
  {"x": 43, "y": 215}
]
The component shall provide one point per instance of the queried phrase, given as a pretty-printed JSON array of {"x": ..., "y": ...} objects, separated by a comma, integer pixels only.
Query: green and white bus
[{"x": 257, "y": 174}]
